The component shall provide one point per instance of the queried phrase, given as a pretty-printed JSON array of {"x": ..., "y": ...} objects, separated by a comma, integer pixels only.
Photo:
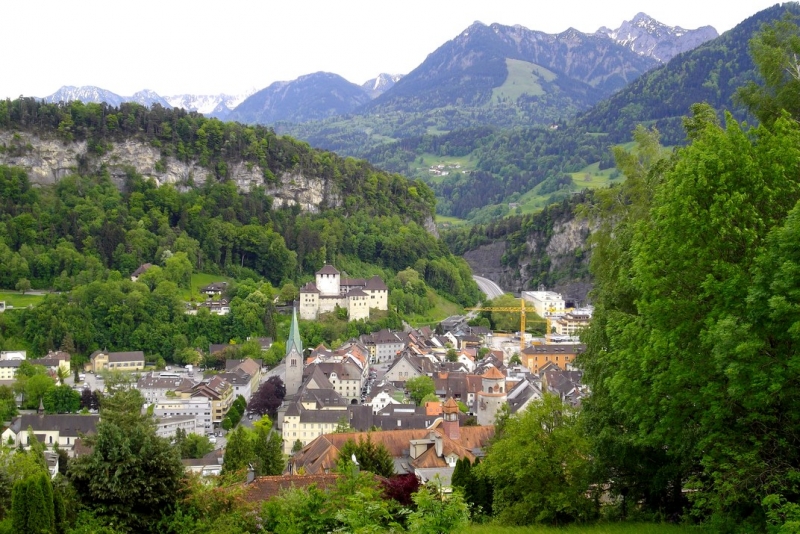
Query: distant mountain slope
[
  {"x": 310, "y": 97},
  {"x": 85, "y": 94},
  {"x": 503, "y": 77},
  {"x": 710, "y": 73},
  {"x": 147, "y": 98},
  {"x": 379, "y": 85},
  {"x": 217, "y": 106},
  {"x": 463, "y": 71},
  {"x": 648, "y": 37}
]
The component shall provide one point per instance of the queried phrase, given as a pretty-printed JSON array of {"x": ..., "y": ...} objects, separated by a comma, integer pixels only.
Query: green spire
[{"x": 294, "y": 341}]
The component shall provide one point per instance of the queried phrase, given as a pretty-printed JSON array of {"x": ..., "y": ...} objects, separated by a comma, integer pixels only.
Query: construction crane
[{"x": 522, "y": 311}]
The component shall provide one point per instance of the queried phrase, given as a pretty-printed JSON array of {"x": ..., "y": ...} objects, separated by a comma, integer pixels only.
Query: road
[{"x": 490, "y": 289}]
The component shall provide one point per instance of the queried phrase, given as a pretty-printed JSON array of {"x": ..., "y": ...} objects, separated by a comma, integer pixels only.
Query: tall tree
[
  {"x": 539, "y": 466},
  {"x": 664, "y": 358},
  {"x": 268, "y": 452},
  {"x": 776, "y": 53},
  {"x": 238, "y": 451},
  {"x": 131, "y": 476}
]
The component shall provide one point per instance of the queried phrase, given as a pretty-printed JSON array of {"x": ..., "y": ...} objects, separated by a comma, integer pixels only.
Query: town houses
[{"x": 337, "y": 390}]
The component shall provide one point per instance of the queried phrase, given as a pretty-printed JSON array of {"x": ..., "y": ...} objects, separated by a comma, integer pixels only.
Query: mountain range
[{"x": 477, "y": 68}]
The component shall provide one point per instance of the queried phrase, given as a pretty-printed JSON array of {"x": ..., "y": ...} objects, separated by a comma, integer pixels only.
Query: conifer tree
[{"x": 239, "y": 451}]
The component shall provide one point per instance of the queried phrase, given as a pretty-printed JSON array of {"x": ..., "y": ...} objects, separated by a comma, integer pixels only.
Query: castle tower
[
  {"x": 329, "y": 281},
  {"x": 492, "y": 397},
  {"x": 294, "y": 358},
  {"x": 450, "y": 424}
]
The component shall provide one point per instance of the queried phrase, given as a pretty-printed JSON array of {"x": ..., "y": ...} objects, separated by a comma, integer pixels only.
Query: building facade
[{"x": 329, "y": 291}]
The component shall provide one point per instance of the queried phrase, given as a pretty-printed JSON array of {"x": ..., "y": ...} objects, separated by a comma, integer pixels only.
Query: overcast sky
[{"x": 230, "y": 46}]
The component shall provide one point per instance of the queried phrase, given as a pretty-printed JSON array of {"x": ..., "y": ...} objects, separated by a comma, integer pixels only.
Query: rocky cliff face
[
  {"x": 648, "y": 37},
  {"x": 555, "y": 257},
  {"x": 49, "y": 160}
]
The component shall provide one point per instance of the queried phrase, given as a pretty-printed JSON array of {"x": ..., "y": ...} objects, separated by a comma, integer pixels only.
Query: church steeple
[
  {"x": 295, "y": 341},
  {"x": 294, "y": 358}
]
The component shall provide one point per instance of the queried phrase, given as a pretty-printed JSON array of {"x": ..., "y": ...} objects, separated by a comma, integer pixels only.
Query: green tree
[
  {"x": 539, "y": 466},
  {"x": 239, "y": 451},
  {"x": 419, "y": 387},
  {"x": 671, "y": 290},
  {"x": 131, "y": 476},
  {"x": 178, "y": 269},
  {"x": 776, "y": 53},
  {"x": 23, "y": 285},
  {"x": 36, "y": 390},
  {"x": 268, "y": 452},
  {"x": 62, "y": 399},
  {"x": 289, "y": 293},
  {"x": 32, "y": 509},
  {"x": 437, "y": 512},
  {"x": 8, "y": 403},
  {"x": 194, "y": 445},
  {"x": 371, "y": 456}
]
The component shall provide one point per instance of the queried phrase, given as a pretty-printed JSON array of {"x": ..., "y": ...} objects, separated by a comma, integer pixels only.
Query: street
[{"x": 489, "y": 288}]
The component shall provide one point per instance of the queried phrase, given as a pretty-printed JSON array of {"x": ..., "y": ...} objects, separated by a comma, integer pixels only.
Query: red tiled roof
[{"x": 265, "y": 488}]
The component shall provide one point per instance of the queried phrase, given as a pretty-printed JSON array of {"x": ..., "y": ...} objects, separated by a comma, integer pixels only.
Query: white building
[
  {"x": 196, "y": 407},
  {"x": 166, "y": 427},
  {"x": 13, "y": 355},
  {"x": 546, "y": 303},
  {"x": 382, "y": 400},
  {"x": 162, "y": 386},
  {"x": 571, "y": 323}
]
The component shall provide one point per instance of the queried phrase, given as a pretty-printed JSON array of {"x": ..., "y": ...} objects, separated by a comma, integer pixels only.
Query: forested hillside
[{"x": 84, "y": 230}]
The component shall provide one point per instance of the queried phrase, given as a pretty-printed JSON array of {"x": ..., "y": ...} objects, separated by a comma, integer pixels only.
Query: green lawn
[
  {"x": 18, "y": 300},
  {"x": 199, "y": 280},
  {"x": 605, "y": 528}
]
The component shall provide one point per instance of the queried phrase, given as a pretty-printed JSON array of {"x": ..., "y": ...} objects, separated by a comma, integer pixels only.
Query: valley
[{"x": 541, "y": 280}]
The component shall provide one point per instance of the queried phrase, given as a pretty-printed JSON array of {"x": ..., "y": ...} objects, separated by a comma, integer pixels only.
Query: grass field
[
  {"x": 18, "y": 300},
  {"x": 591, "y": 177},
  {"x": 523, "y": 79},
  {"x": 444, "y": 221},
  {"x": 199, "y": 280},
  {"x": 420, "y": 168},
  {"x": 606, "y": 528}
]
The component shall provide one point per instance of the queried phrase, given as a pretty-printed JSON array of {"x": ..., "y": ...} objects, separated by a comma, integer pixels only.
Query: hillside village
[{"x": 345, "y": 391}]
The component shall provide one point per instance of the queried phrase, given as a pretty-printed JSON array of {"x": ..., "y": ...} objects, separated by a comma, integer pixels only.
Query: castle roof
[
  {"x": 328, "y": 269},
  {"x": 310, "y": 287},
  {"x": 375, "y": 283}
]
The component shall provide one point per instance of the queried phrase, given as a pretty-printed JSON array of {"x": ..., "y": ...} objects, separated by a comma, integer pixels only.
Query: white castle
[{"x": 356, "y": 295}]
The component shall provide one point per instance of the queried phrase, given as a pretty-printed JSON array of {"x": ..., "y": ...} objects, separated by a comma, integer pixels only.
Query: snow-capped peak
[{"x": 648, "y": 37}]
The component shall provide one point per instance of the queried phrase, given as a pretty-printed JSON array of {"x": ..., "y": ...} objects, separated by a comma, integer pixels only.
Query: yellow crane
[{"x": 522, "y": 311}]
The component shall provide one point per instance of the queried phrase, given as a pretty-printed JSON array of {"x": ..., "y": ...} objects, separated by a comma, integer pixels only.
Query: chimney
[{"x": 251, "y": 474}]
